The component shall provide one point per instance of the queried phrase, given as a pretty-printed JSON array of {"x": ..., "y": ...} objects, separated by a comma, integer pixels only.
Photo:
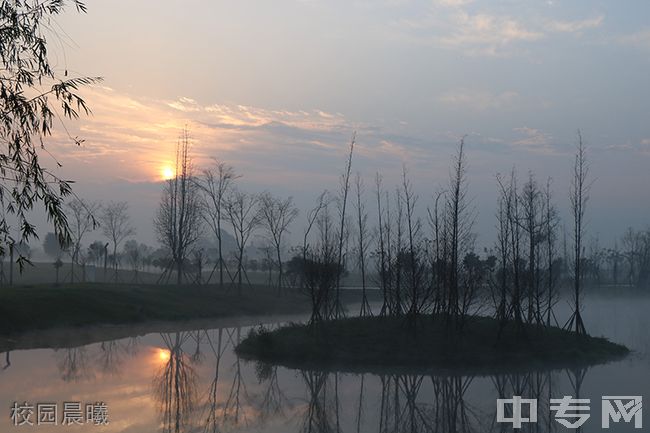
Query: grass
[
  {"x": 44, "y": 307},
  {"x": 376, "y": 343}
]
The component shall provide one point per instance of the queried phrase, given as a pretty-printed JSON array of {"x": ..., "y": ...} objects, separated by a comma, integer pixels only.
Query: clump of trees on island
[{"x": 432, "y": 267}]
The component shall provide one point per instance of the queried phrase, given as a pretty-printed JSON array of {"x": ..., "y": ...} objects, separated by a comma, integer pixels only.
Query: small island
[{"x": 425, "y": 343}]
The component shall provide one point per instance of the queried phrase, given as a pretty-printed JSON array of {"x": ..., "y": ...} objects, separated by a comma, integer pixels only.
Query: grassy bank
[
  {"x": 373, "y": 344},
  {"x": 44, "y": 307}
]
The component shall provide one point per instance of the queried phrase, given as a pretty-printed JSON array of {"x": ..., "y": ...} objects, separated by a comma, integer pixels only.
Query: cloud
[
  {"x": 575, "y": 26},
  {"x": 486, "y": 34},
  {"x": 639, "y": 39},
  {"x": 185, "y": 104},
  {"x": 479, "y": 100},
  {"x": 534, "y": 140},
  {"x": 132, "y": 138},
  {"x": 452, "y": 3},
  {"x": 481, "y": 33},
  {"x": 532, "y": 137},
  {"x": 478, "y": 30}
]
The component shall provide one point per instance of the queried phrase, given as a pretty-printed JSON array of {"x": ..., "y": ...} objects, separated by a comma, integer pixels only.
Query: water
[{"x": 193, "y": 382}]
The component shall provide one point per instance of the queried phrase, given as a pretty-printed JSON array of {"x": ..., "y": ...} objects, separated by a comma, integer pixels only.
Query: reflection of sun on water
[
  {"x": 167, "y": 172},
  {"x": 163, "y": 355}
]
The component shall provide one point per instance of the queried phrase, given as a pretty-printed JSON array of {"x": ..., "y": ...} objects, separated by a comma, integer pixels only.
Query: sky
[{"x": 276, "y": 88}]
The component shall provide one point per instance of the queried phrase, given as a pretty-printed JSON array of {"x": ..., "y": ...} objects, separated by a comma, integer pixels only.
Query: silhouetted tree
[
  {"x": 342, "y": 203},
  {"x": 636, "y": 251},
  {"x": 532, "y": 224},
  {"x": 243, "y": 214},
  {"x": 579, "y": 195},
  {"x": 320, "y": 262},
  {"x": 437, "y": 255},
  {"x": 382, "y": 232},
  {"x": 178, "y": 222},
  {"x": 417, "y": 293},
  {"x": 52, "y": 247},
  {"x": 215, "y": 184},
  {"x": 503, "y": 247},
  {"x": 363, "y": 241},
  {"x": 31, "y": 91},
  {"x": 83, "y": 221},
  {"x": 136, "y": 254},
  {"x": 96, "y": 252},
  {"x": 275, "y": 217},
  {"x": 116, "y": 226},
  {"x": 459, "y": 221},
  {"x": 551, "y": 223}
]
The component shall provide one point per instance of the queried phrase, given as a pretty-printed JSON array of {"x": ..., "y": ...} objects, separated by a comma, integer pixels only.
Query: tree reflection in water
[
  {"x": 111, "y": 356},
  {"x": 320, "y": 405},
  {"x": 402, "y": 410},
  {"x": 74, "y": 364},
  {"x": 212, "y": 423},
  {"x": 175, "y": 385},
  {"x": 232, "y": 409},
  {"x": 273, "y": 399},
  {"x": 317, "y": 401},
  {"x": 404, "y": 405}
]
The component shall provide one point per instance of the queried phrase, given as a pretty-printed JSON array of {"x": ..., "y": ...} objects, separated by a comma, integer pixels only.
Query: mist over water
[{"x": 192, "y": 381}]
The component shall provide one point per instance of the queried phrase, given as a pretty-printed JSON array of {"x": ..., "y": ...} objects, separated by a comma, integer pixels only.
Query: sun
[
  {"x": 167, "y": 172},
  {"x": 164, "y": 355}
]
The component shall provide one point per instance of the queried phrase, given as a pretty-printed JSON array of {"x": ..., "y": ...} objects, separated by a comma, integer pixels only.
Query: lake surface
[{"x": 192, "y": 381}]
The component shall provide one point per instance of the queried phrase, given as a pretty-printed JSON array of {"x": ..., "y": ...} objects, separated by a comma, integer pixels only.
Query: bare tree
[
  {"x": 243, "y": 214},
  {"x": 636, "y": 251},
  {"x": 414, "y": 280},
  {"x": 438, "y": 266},
  {"x": 178, "y": 222},
  {"x": 275, "y": 216},
  {"x": 215, "y": 183},
  {"x": 382, "y": 232},
  {"x": 116, "y": 226},
  {"x": 459, "y": 220},
  {"x": 551, "y": 223},
  {"x": 504, "y": 252},
  {"x": 397, "y": 254},
  {"x": 319, "y": 261},
  {"x": 343, "y": 199},
  {"x": 363, "y": 238},
  {"x": 82, "y": 222},
  {"x": 532, "y": 224},
  {"x": 136, "y": 254},
  {"x": 512, "y": 230},
  {"x": 579, "y": 195}
]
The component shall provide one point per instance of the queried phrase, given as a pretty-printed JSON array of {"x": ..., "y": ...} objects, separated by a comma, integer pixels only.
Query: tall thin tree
[
  {"x": 178, "y": 221},
  {"x": 116, "y": 226},
  {"x": 578, "y": 196},
  {"x": 276, "y": 215},
  {"x": 243, "y": 214},
  {"x": 343, "y": 199},
  {"x": 363, "y": 239},
  {"x": 215, "y": 183}
]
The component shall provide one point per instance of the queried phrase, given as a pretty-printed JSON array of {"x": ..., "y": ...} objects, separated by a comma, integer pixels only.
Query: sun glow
[
  {"x": 164, "y": 355},
  {"x": 167, "y": 172}
]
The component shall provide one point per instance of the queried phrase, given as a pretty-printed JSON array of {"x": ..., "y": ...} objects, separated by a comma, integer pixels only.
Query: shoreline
[
  {"x": 67, "y": 316},
  {"x": 70, "y": 337}
]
